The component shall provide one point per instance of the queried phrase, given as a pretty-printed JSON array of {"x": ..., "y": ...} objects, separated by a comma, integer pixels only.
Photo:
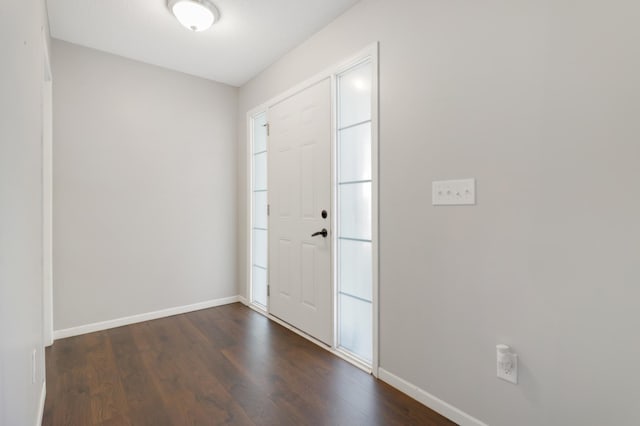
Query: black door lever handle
[{"x": 324, "y": 233}]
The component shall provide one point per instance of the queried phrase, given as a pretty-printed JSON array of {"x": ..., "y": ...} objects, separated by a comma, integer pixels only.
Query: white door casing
[
  {"x": 47, "y": 196},
  {"x": 300, "y": 172}
]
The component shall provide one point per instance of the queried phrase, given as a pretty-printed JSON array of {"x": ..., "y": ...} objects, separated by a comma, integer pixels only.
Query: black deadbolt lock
[{"x": 324, "y": 214}]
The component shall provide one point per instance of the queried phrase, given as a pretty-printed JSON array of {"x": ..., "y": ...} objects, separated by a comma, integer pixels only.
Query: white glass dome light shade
[{"x": 196, "y": 15}]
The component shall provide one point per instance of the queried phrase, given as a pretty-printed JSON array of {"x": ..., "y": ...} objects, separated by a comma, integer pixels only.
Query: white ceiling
[{"x": 250, "y": 35}]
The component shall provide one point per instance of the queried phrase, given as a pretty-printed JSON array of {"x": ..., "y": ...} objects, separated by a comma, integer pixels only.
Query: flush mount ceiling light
[{"x": 197, "y": 15}]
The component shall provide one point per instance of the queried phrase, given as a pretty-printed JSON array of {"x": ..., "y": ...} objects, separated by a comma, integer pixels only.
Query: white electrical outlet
[
  {"x": 453, "y": 192},
  {"x": 33, "y": 366},
  {"x": 506, "y": 364}
]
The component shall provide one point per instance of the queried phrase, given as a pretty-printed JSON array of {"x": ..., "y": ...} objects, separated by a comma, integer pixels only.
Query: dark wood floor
[{"x": 225, "y": 365}]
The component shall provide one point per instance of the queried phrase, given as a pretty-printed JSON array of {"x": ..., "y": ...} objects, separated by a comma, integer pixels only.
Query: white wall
[
  {"x": 144, "y": 187},
  {"x": 539, "y": 101},
  {"x": 21, "y": 76}
]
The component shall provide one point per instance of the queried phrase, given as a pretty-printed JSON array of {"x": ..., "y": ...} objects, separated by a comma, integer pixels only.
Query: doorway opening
[{"x": 288, "y": 130}]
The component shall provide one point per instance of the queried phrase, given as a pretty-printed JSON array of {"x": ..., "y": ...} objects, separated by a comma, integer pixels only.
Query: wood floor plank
[
  {"x": 195, "y": 396},
  {"x": 145, "y": 405},
  {"x": 221, "y": 366},
  {"x": 251, "y": 397},
  {"x": 108, "y": 400}
]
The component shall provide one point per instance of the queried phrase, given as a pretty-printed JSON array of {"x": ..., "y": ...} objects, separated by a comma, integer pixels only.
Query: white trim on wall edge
[
  {"x": 43, "y": 398},
  {"x": 436, "y": 404},
  {"x": 119, "y": 322}
]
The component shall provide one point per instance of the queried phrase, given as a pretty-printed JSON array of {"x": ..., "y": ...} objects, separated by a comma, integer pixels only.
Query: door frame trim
[
  {"x": 370, "y": 52},
  {"x": 249, "y": 225},
  {"x": 47, "y": 193}
]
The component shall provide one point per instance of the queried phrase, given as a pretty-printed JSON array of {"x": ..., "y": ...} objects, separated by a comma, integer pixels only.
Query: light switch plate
[{"x": 458, "y": 192}]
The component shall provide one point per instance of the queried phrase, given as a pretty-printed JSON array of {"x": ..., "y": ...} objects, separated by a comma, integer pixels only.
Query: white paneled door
[{"x": 300, "y": 191}]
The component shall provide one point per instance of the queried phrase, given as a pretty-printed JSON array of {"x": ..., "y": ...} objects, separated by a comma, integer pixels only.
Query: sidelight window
[
  {"x": 259, "y": 222},
  {"x": 354, "y": 208}
]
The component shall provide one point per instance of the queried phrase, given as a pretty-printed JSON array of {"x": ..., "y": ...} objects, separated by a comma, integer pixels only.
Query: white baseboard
[
  {"x": 43, "y": 398},
  {"x": 243, "y": 300},
  {"x": 425, "y": 398},
  {"x": 119, "y": 322}
]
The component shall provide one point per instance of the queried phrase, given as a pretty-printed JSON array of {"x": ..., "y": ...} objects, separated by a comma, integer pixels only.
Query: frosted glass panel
[
  {"x": 355, "y": 326},
  {"x": 260, "y": 248},
  {"x": 355, "y": 268},
  {"x": 260, "y": 286},
  {"x": 355, "y": 210},
  {"x": 260, "y": 219},
  {"x": 260, "y": 133},
  {"x": 355, "y": 153},
  {"x": 260, "y": 171},
  {"x": 355, "y": 250},
  {"x": 260, "y": 210},
  {"x": 355, "y": 96}
]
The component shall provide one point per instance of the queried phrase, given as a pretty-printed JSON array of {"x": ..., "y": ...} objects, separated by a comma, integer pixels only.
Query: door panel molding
[{"x": 302, "y": 189}]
